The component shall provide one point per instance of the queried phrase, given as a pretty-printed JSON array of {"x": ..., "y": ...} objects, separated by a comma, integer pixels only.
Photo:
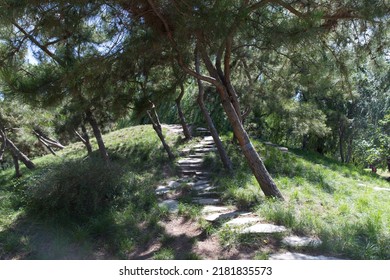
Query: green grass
[
  {"x": 74, "y": 207},
  {"x": 335, "y": 202},
  {"x": 323, "y": 198}
]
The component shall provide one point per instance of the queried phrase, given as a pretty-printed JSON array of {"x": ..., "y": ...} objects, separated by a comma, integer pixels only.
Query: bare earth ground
[{"x": 186, "y": 238}]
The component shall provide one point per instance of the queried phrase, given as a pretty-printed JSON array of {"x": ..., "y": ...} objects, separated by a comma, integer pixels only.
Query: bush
[{"x": 75, "y": 188}]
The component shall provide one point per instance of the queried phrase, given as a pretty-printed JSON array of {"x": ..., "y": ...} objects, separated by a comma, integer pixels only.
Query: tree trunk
[
  {"x": 84, "y": 138},
  {"x": 305, "y": 140},
  {"x": 388, "y": 164},
  {"x": 22, "y": 157},
  {"x": 349, "y": 150},
  {"x": 157, "y": 127},
  {"x": 45, "y": 144},
  {"x": 341, "y": 140},
  {"x": 183, "y": 122},
  {"x": 3, "y": 144},
  {"x": 16, "y": 165},
  {"x": 257, "y": 166},
  {"x": 227, "y": 163},
  {"x": 47, "y": 141},
  {"x": 98, "y": 135}
]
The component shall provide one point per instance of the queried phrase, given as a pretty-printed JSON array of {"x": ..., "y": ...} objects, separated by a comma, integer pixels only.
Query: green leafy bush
[{"x": 75, "y": 188}]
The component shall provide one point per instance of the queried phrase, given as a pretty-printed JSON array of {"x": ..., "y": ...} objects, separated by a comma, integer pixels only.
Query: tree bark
[
  {"x": 341, "y": 140},
  {"x": 22, "y": 157},
  {"x": 257, "y": 166},
  {"x": 183, "y": 122},
  {"x": 227, "y": 163},
  {"x": 98, "y": 135},
  {"x": 388, "y": 164},
  {"x": 3, "y": 144},
  {"x": 45, "y": 144},
  {"x": 84, "y": 138},
  {"x": 157, "y": 127},
  {"x": 47, "y": 141},
  {"x": 16, "y": 165}
]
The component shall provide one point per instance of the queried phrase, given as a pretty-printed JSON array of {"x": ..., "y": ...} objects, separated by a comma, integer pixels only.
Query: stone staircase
[{"x": 205, "y": 194}]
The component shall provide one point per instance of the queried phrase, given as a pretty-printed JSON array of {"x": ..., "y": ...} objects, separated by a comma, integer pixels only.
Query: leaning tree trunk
[
  {"x": 22, "y": 157},
  {"x": 341, "y": 140},
  {"x": 16, "y": 165},
  {"x": 3, "y": 144},
  {"x": 98, "y": 135},
  {"x": 257, "y": 166},
  {"x": 157, "y": 127},
  {"x": 84, "y": 138},
  {"x": 227, "y": 163},
  {"x": 183, "y": 122}
]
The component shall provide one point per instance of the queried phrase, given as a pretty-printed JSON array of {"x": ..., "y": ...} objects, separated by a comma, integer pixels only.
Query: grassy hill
[{"x": 72, "y": 207}]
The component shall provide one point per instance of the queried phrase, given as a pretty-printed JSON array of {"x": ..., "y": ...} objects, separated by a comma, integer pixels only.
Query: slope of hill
[{"x": 73, "y": 207}]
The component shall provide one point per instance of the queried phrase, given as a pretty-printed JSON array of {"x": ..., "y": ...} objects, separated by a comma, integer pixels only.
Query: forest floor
[{"x": 161, "y": 217}]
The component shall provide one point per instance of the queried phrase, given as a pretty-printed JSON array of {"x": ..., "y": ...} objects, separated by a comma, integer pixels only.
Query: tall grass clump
[{"x": 75, "y": 189}]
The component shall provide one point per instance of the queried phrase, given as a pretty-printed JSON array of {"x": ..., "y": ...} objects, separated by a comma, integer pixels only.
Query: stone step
[
  {"x": 301, "y": 241},
  {"x": 381, "y": 189},
  {"x": 206, "y": 201},
  {"x": 220, "y": 216},
  {"x": 204, "y": 145},
  {"x": 208, "y": 138},
  {"x": 207, "y": 209},
  {"x": 196, "y": 169},
  {"x": 189, "y": 161},
  {"x": 205, "y": 150},
  {"x": 171, "y": 204},
  {"x": 161, "y": 190},
  {"x": 208, "y": 194},
  {"x": 264, "y": 228},
  {"x": 298, "y": 256},
  {"x": 196, "y": 155},
  {"x": 242, "y": 221}
]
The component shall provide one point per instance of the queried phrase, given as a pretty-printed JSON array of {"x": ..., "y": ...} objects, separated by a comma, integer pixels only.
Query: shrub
[{"x": 75, "y": 188}]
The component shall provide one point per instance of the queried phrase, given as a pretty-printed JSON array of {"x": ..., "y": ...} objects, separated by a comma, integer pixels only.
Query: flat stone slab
[
  {"x": 203, "y": 188},
  {"x": 173, "y": 184},
  {"x": 171, "y": 204},
  {"x": 215, "y": 209},
  {"x": 301, "y": 241},
  {"x": 378, "y": 189},
  {"x": 298, "y": 256},
  {"x": 219, "y": 216},
  {"x": 208, "y": 138},
  {"x": 241, "y": 221},
  {"x": 190, "y": 161},
  {"x": 205, "y": 150},
  {"x": 283, "y": 149},
  {"x": 264, "y": 228},
  {"x": 196, "y": 155},
  {"x": 206, "y": 201},
  {"x": 162, "y": 190}
]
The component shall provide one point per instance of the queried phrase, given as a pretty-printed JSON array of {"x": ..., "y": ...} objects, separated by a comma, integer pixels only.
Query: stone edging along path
[{"x": 213, "y": 210}]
